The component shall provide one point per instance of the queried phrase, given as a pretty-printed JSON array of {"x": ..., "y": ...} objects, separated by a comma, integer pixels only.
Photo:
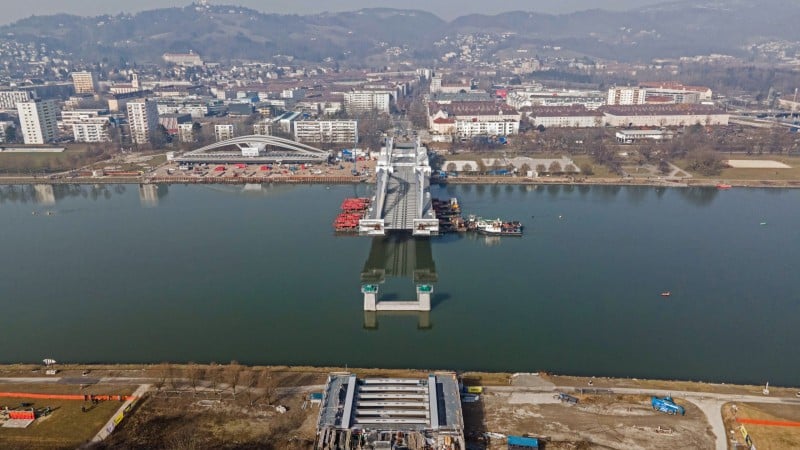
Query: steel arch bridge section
[{"x": 289, "y": 151}]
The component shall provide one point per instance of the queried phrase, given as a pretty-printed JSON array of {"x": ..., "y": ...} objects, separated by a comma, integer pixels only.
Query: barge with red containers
[{"x": 353, "y": 210}]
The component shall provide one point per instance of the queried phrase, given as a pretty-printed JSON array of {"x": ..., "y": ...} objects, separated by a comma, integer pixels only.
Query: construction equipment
[{"x": 667, "y": 405}]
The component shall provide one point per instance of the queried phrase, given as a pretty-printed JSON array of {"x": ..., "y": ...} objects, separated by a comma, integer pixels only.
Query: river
[{"x": 123, "y": 273}]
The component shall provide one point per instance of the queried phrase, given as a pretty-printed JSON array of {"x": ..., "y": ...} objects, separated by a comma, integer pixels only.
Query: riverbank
[
  {"x": 329, "y": 180},
  {"x": 263, "y": 406}
]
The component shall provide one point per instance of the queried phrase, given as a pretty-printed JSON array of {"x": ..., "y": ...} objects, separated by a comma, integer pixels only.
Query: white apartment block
[
  {"x": 366, "y": 101},
  {"x": 186, "y": 132},
  {"x": 470, "y": 128},
  {"x": 9, "y": 99},
  {"x": 83, "y": 82},
  {"x": 142, "y": 120},
  {"x": 86, "y": 125},
  {"x": 224, "y": 131},
  {"x": 326, "y": 131},
  {"x": 263, "y": 128},
  {"x": 94, "y": 129},
  {"x": 37, "y": 120},
  {"x": 589, "y": 99},
  {"x": 626, "y": 96}
]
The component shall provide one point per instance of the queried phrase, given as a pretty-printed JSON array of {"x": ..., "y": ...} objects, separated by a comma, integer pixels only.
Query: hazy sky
[{"x": 447, "y": 9}]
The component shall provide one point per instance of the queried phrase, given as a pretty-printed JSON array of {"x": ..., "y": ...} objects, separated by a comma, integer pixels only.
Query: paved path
[{"x": 110, "y": 425}]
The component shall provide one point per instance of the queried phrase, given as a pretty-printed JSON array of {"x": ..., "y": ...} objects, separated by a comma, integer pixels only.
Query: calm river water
[{"x": 216, "y": 273}]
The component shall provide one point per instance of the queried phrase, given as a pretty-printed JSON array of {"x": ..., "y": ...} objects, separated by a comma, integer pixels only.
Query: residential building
[
  {"x": 186, "y": 132},
  {"x": 142, "y": 120},
  {"x": 9, "y": 99},
  {"x": 547, "y": 97},
  {"x": 190, "y": 59},
  {"x": 473, "y": 118},
  {"x": 326, "y": 131},
  {"x": 86, "y": 125},
  {"x": 626, "y": 96},
  {"x": 37, "y": 120},
  {"x": 678, "y": 92},
  {"x": 366, "y": 101},
  {"x": 170, "y": 122},
  {"x": 577, "y": 116},
  {"x": 92, "y": 129},
  {"x": 84, "y": 82},
  {"x": 224, "y": 132},
  {"x": 263, "y": 128},
  {"x": 663, "y": 115}
]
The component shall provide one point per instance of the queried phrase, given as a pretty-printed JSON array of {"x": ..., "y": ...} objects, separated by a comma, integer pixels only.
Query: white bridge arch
[{"x": 255, "y": 149}]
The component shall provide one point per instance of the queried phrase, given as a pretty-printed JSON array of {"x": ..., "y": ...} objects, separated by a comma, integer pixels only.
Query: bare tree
[
  {"x": 234, "y": 373},
  {"x": 163, "y": 371},
  {"x": 570, "y": 168},
  {"x": 555, "y": 167},
  {"x": 541, "y": 168},
  {"x": 451, "y": 167},
  {"x": 216, "y": 375},
  {"x": 250, "y": 379},
  {"x": 195, "y": 372},
  {"x": 269, "y": 384}
]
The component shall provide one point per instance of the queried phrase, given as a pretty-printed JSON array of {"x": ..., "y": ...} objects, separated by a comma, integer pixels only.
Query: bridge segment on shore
[
  {"x": 402, "y": 192},
  {"x": 255, "y": 149}
]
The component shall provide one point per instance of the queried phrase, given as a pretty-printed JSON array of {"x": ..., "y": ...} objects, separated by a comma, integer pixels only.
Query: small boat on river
[{"x": 666, "y": 294}]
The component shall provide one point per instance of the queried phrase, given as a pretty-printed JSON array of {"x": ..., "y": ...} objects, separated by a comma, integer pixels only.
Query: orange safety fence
[
  {"x": 773, "y": 423},
  {"x": 66, "y": 396}
]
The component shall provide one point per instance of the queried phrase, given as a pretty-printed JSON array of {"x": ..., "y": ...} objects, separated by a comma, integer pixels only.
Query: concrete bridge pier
[{"x": 370, "y": 292}]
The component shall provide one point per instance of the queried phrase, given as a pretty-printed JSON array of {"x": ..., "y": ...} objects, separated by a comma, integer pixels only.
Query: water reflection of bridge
[{"x": 398, "y": 257}]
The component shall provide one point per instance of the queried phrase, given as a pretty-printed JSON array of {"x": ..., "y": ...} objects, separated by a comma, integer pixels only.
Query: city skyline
[{"x": 446, "y": 9}]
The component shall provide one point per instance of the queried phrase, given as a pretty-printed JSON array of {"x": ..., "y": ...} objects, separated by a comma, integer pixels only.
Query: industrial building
[{"x": 390, "y": 413}]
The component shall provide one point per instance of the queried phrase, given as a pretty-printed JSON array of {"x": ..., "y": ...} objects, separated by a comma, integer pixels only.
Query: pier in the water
[
  {"x": 402, "y": 192},
  {"x": 399, "y": 257}
]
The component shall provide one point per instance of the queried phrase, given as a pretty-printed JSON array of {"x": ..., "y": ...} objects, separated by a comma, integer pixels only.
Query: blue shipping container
[{"x": 523, "y": 442}]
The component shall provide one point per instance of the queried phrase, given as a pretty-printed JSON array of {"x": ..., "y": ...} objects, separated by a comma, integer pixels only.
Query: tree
[
  {"x": 451, "y": 167},
  {"x": 664, "y": 167},
  {"x": 540, "y": 128},
  {"x": 233, "y": 372},
  {"x": 555, "y": 167},
  {"x": 467, "y": 167},
  {"x": 269, "y": 384},
  {"x": 481, "y": 166},
  {"x": 195, "y": 373},
  {"x": 525, "y": 169},
  {"x": 163, "y": 371},
  {"x": 250, "y": 380},
  {"x": 570, "y": 168},
  {"x": 587, "y": 169},
  {"x": 541, "y": 168},
  {"x": 11, "y": 134}
]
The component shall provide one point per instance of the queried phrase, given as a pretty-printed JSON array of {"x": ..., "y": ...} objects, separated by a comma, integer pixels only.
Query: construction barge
[{"x": 448, "y": 212}]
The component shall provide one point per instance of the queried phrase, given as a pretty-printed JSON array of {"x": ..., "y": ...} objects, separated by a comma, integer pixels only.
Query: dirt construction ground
[{"x": 596, "y": 422}]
